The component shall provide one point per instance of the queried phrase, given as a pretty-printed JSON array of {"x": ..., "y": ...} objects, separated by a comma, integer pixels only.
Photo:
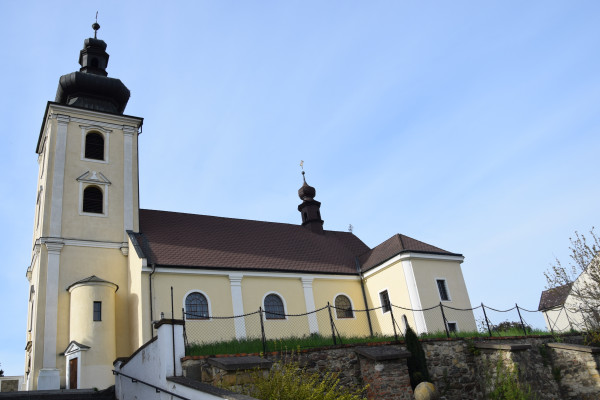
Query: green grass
[{"x": 306, "y": 342}]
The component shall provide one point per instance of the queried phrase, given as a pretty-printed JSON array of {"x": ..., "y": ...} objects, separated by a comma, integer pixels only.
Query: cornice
[{"x": 412, "y": 256}]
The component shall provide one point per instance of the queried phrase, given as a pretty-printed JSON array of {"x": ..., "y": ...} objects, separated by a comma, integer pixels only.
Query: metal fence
[{"x": 333, "y": 325}]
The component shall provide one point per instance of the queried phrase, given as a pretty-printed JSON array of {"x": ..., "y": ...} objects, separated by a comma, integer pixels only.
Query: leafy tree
[
  {"x": 417, "y": 364},
  {"x": 584, "y": 264}
]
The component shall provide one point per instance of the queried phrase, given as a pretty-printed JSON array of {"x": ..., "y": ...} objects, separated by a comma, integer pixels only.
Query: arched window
[
  {"x": 274, "y": 307},
  {"x": 93, "y": 200},
  {"x": 94, "y": 146},
  {"x": 196, "y": 306},
  {"x": 343, "y": 307}
]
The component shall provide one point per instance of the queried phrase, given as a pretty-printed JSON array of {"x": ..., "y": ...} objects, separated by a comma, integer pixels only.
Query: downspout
[
  {"x": 362, "y": 286},
  {"x": 151, "y": 317}
]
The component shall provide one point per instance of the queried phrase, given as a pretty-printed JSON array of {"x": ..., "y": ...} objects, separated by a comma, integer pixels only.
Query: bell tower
[{"x": 86, "y": 202}]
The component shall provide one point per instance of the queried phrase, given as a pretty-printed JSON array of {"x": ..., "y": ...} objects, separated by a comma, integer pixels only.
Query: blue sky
[{"x": 469, "y": 125}]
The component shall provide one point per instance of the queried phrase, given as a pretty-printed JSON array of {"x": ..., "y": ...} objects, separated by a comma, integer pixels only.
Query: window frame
[
  {"x": 445, "y": 286},
  {"x": 105, "y": 133},
  {"x": 207, "y": 303},
  {"x": 351, "y": 306},
  {"x": 383, "y": 307},
  {"x": 285, "y": 317},
  {"x": 103, "y": 186},
  {"x": 455, "y": 326},
  {"x": 97, "y": 312}
]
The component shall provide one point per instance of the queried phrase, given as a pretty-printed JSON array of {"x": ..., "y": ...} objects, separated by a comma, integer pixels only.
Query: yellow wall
[
  {"x": 218, "y": 292},
  {"x": 391, "y": 279},
  {"x": 325, "y": 290},
  {"x": 426, "y": 272},
  {"x": 96, "y": 362}
]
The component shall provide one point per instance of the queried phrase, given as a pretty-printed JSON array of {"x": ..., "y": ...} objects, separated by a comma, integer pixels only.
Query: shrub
[
  {"x": 289, "y": 381},
  {"x": 417, "y": 364},
  {"x": 506, "y": 384}
]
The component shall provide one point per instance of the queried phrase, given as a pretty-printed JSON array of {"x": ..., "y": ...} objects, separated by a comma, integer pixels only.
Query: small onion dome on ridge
[{"x": 306, "y": 192}]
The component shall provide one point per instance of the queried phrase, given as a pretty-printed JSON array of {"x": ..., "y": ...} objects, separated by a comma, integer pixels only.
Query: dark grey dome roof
[{"x": 95, "y": 92}]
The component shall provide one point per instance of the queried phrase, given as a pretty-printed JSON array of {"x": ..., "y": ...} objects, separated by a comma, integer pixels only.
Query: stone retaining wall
[{"x": 460, "y": 368}]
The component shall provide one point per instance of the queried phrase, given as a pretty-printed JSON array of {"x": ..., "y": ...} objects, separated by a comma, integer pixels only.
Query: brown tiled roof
[
  {"x": 200, "y": 241},
  {"x": 189, "y": 240},
  {"x": 395, "y": 245},
  {"x": 554, "y": 297}
]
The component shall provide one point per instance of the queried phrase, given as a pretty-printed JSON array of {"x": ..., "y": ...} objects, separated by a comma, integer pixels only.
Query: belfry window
[
  {"x": 196, "y": 306},
  {"x": 93, "y": 200},
  {"x": 94, "y": 146},
  {"x": 274, "y": 307}
]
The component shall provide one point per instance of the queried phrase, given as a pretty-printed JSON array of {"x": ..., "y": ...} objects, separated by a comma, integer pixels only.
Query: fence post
[
  {"x": 185, "y": 341},
  {"x": 262, "y": 331},
  {"x": 393, "y": 323},
  {"x": 486, "y": 319},
  {"x": 521, "y": 318},
  {"x": 444, "y": 320},
  {"x": 332, "y": 324}
]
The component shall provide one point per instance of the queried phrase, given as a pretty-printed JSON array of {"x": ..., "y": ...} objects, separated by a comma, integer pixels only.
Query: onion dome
[
  {"x": 306, "y": 192},
  {"x": 90, "y": 87}
]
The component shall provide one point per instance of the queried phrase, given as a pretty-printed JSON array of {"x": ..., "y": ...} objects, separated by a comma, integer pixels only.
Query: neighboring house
[
  {"x": 565, "y": 311},
  {"x": 102, "y": 269}
]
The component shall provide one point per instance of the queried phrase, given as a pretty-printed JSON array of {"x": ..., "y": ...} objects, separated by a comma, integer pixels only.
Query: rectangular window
[
  {"x": 452, "y": 327},
  {"x": 97, "y": 311},
  {"x": 385, "y": 301},
  {"x": 443, "y": 289}
]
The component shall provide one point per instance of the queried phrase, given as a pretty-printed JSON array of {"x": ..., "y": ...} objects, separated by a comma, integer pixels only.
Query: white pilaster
[
  {"x": 235, "y": 281},
  {"x": 309, "y": 299},
  {"x": 49, "y": 377},
  {"x": 58, "y": 176},
  {"x": 413, "y": 294},
  {"x": 128, "y": 132}
]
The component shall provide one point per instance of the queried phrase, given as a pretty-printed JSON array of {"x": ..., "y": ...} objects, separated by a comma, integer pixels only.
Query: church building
[{"x": 102, "y": 269}]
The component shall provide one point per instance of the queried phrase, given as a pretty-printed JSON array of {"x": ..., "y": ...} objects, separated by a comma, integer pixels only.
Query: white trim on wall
[
  {"x": 235, "y": 283},
  {"x": 309, "y": 300},
  {"x": 282, "y": 301},
  {"x": 122, "y": 119},
  {"x": 291, "y": 275},
  {"x": 412, "y": 256},
  {"x": 413, "y": 295},
  {"x": 128, "y": 206},
  {"x": 207, "y": 300},
  {"x": 58, "y": 176},
  {"x": 51, "y": 315}
]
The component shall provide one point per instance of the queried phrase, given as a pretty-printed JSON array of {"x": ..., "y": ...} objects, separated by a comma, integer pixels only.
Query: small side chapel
[{"x": 102, "y": 268}]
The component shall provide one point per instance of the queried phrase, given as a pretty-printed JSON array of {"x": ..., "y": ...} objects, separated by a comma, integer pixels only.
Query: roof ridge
[
  {"x": 239, "y": 219},
  {"x": 401, "y": 241}
]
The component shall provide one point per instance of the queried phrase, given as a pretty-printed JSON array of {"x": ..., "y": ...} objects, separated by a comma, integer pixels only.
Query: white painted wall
[{"x": 154, "y": 364}]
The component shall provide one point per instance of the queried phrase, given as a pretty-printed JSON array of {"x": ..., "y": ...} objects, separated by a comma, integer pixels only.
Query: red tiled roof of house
[
  {"x": 554, "y": 297},
  {"x": 172, "y": 239},
  {"x": 395, "y": 245}
]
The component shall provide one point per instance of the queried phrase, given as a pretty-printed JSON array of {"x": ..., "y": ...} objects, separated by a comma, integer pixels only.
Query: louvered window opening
[
  {"x": 196, "y": 306},
  {"x": 274, "y": 307},
  {"x": 343, "y": 307},
  {"x": 443, "y": 290},
  {"x": 94, "y": 146},
  {"x": 92, "y": 200}
]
